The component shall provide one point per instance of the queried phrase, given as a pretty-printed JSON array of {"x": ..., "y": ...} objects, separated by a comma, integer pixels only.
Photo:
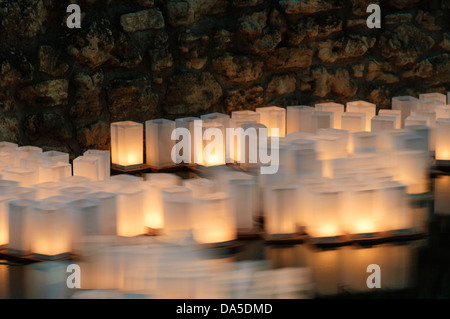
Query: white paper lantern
[
  {"x": 299, "y": 119},
  {"x": 54, "y": 171},
  {"x": 86, "y": 214},
  {"x": 127, "y": 143},
  {"x": 367, "y": 108},
  {"x": 199, "y": 186},
  {"x": 396, "y": 113},
  {"x": 280, "y": 214},
  {"x": 434, "y": 96},
  {"x": 442, "y": 140},
  {"x": 104, "y": 162},
  {"x": 20, "y": 226},
  {"x": 4, "y": 218},
  {"x": 195, "y": 145},
  {"x": 243, "y": 194},
  {"x": 429, "y": 105},
  {"x": 246, "y": 115},
  {"x": 405, "y": 104},
  {"x": 273, "y": 117},
  {"x": 177, "y": 217},
  {"x": 87, "y": 166},
  {"x": 223, "y": 119},
  {"x": 107, "y": 206},
  {"x": 382, "y": 123},
  {"x": 23, "y": 176},
  {"x": 213, "y": 219},
  {"x": 442, "y": 112},
  {"x": 412, "y": 171},
  {"x": 213, "y": 144},
  {"x": 336, "y": 108},
  {"x": 441, "y": 198},
  {"x": 51, "y": 236},
  {"x": 130, "y": 212},
  {"x": 159, "y": 143},
  {"x": 55, "y": 156},
  {"x": 48, "y": 189},
  {"x": 321, "y": 120},
  {"x": 353, "y": 122}
]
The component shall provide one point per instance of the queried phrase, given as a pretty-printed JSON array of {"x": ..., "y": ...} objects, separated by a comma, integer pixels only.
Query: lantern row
[{"x": 127, "y": 152}]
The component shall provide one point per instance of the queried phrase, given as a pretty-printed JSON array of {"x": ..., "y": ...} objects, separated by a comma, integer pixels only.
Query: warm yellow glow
[
  {"x": 364, "y": 226},
  {"x": 154, "y": 218},
  {"x": 443, "y": 153},
  {"x": 127, "y": 146},
  {"x": 327, "y": 230},
  {"x": 216, "y": 234},
  {"x": 48, "y": 246}
]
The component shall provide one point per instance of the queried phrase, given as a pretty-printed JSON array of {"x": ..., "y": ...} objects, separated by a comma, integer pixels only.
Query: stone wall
[{"x": 142, "y": 59}]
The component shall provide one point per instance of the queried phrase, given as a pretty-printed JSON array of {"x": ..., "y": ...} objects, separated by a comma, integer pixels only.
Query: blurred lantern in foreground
[
  {"x": 213, "y": 220},
  {"x": 130, "y": 212},
  {"x": 54, "y": 171},
  {"x": 159, "y": 143},
  {"x": 396, "y": 113},
  {"x": 107, "y": 212},
  {"x": 4, "y": 220},
  {"x": 243, "y": 193},
  {"x": 324, "y": 212},
  {"x": 443, "y": 141},
  {"x": 20, "y": 226},
  {"x": 51, "y": 236},
  {"x": 280, "y": 213},
  {"x": 127, "y": 143},
  {"x": 412, "y": 170},
  {"x": 321, "y": 120}
]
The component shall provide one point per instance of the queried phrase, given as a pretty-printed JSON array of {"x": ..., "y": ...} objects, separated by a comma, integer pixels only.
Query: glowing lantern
[
  {"x": 364, "y": 142},
  {"x": 405, "y": 104},
  {"x": 107, "y": 206},
  {"x": 127, "y": 143},
  {"x": 213, "y": 144},
  {"x": 23, "y": 176},
  {"x": 391, "y": 206},
  {"x": 51, "y": 236},
  {"x": 4, "y": 218},
  {"x": 213, "y": 220},
  {"x": 422, "y": 144},
  {"x": 246, "y": 115},
  {"x": 353, "y": 122},
  {"x": 321, "y": 119},
  {"x": 336, "y": 108},
  {"x": 359, "y": 216},
  {"x": 87, "y": 166},
  {"x": 20, "y": 226},
  {"x": 281, "y": 212},
  {"x": 104, "y": 162},
  {"x": 433, "y": 96},
  {"x": 367, "y": 108},
  {"x": 443, "y": 141},
  {"x": 159, "y": 143},
  {"x": 273, "y": 117},
  {"x": 324, "y": 215},
  {"x": 234, "y": 141},
  {"x": 130, "y": 212},
  {"x": 194, "y": 145},
  {"x": 54, "y": 171}
]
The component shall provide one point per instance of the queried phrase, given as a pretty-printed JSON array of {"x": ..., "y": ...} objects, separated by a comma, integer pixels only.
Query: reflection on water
[{"x": 149, "y": 270}]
